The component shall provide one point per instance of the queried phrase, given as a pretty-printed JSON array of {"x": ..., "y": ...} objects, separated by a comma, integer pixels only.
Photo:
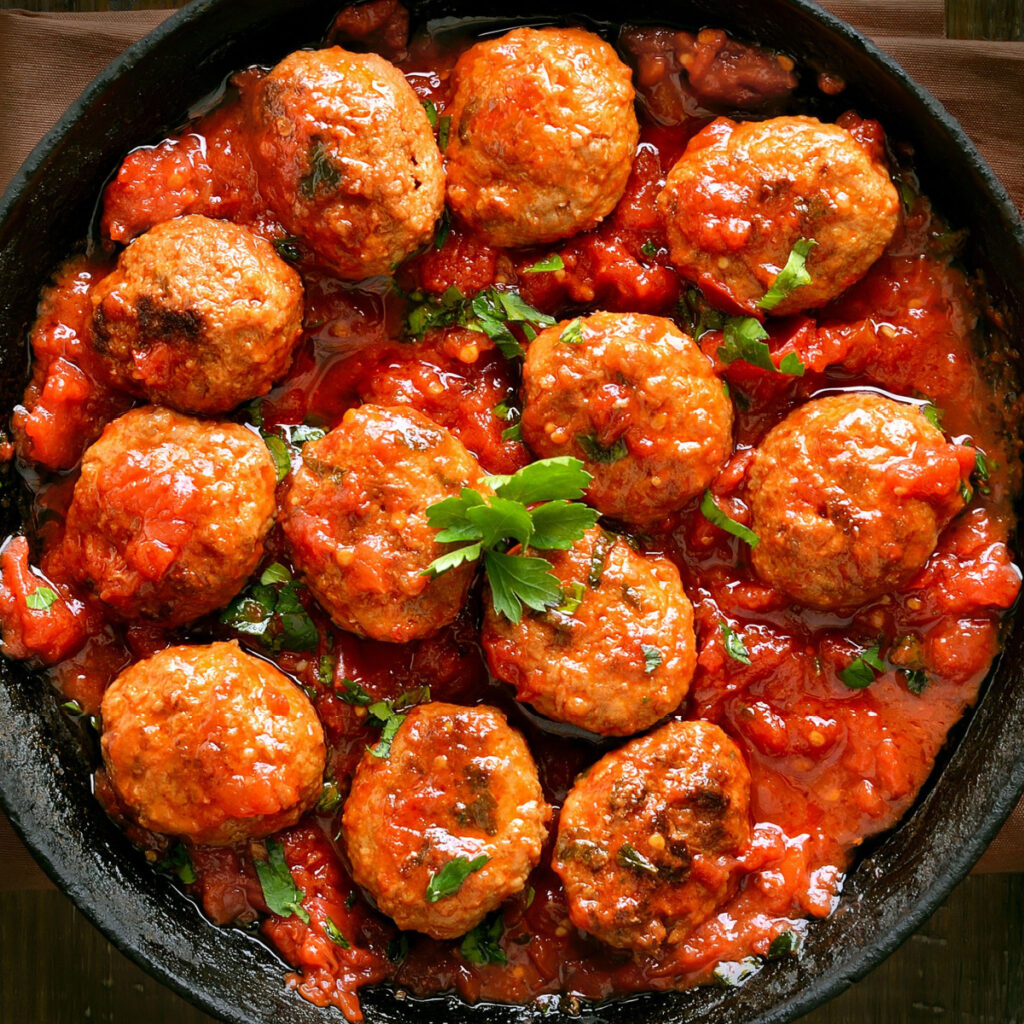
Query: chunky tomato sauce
[{"x": 831, "y": 765}]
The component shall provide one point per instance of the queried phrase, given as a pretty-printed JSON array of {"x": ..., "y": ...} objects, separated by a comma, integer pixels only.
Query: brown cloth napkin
[{"x": 46, "y": 60}]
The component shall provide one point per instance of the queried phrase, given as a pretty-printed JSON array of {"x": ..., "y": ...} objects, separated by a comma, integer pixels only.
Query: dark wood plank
[{"x": 985, "y": 19}]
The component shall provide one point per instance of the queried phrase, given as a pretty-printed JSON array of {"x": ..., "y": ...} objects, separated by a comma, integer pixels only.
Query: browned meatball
[
  {"x": 450, "y": 823},
  {"x": 200, "y": 315},
  {"x": 637, "y": 401},
  {"x": 169, "y": 514},
  {"x": 212, "y": 744},
  {"x": 642, "y": 832},
  {"x": 848, "y": 495},
  {"x": 742, "y": 195},
  {"x": 543, "y": 134},
  {"x": 346, "y": 158},
  {"x": 616, "y": 656},
  {"x": 355, "y": 518}
]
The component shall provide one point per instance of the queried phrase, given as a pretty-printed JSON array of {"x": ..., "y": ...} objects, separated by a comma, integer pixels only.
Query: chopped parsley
[
  {"x": 933, "y": 414},
  {"x": 629, "y": 857},
  {"x": 649, "y": 249},
  {"x": 491, "y": 312},
  {"x": 333, "y": 932},
  {"x": 982, "y": 470},
  {"x": 41, "y": 599},
  {"x": 698, "y": 315},
  {"x": 282, "y": 895},
  {"x": 792, "y": 276},
  {"x": 350, "y": 692},
  {"x": 178, "y": 863},
  {"x": 573, "y": 332},
  {"x": 784, "y": 944},
  {"x": 513, "y": 433},
  {"x": 444, "y": 229},
  {"x": 714, "y": 515},
  {"x": 322, "y": 175},
  {"x": 481, "y": 946},
  {"x": 444, "y": 128},
  {"x": 552, "y": 262},
  {"x": 572, "y": 598},
  {"x": 325, "y": 669},
  {"x": 448, "y": 881},
  {"x": 489, "y": 526},
  {"x": 272, "y": 612},
  {"x": 431, "y": 111},
  {"x": 860, "y": 673},
  {"x": 288, "y": 248},
  {"x": 734, "y": 645},
  {"x": 652, "y": 658},
  {"x": 742, "y": 338},
  {"x": 733, "y": 973},
  {"x": 387, "y": 715},
  {"x": 330, "y": 798},
  {"x": 916, "y": 679},
  {"x": 599, "y": 453}
]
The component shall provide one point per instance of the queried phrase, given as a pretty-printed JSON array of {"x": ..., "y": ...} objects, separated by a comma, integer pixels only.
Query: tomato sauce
[{"x": 831, "y": 765}]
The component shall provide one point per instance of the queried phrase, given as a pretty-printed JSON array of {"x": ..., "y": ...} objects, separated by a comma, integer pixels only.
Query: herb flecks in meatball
[
  {"x": 543, "y": 134},
  {"x": 449, "y": 824},
  {"x": 616, "y": 655},
  {"x": 200, "y": 315},
  {"x": 637, "y": 401},
  {"x": 643, "y": 834},
  {"x": 848, "y": 495},
  {"x": 742, "y": 195},
  {"x": 355, "y": 518},
  {"x": 347, "y": 159},
  {"x": 211, "y": 744},
  {"x": 169, "y": 514}
]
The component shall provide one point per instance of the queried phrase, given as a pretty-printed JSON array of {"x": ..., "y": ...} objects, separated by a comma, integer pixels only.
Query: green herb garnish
[
  {"x": 271, "y": 612},
  {"x": 431, "y": 111},
  {"x": 714, "y": 515},
  {"x": 742, "y": 339},
  {"x": 649, "y": 249},
  {"x": 629, "y": 857},
  {"x": 552, "y": 262},
  {"x": 599, "y": 453},
  {"x": 178, "y": 863},
  {"x": 449, "y": 879},
  {"x": 444, "y": 127},
  {"x": 573, "y": 333},
  {"x": 861, "y": 671},
  {"x": 323, "y": 174},
  {"x": 41, "y": 599},
  {"x": 330, "y": 798},
  {"x": 933, "y": 414},
  {"x": 480, "y": 946},
  {"x": 652, "y": 658},
  {"x": 333, "y": 932},
  {"x": 734, "y": 645},
  {"x": 792, "y": 276},
  {"x": 288, "y": 248},
  {"x": 698, "y": 316},
  {"x": 783, "y": 944},
  {"x": 916, "y": 679},
  {"x": 732, "y": 973},
  {"x": 280, "y": 892}
]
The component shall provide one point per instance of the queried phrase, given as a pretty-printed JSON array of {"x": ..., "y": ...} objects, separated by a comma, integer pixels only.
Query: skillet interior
[{"x": 45, "y": 760}]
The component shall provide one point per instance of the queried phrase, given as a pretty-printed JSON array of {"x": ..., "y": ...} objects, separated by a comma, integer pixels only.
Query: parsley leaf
[
  {"x": 323, "y": 174},
  {"x": 444, "y": 127},
  {"x": 352, "y": 693},
  {"x": 982, "y": 470},
  {"x": 742, "y": 339},
  {"x": 932, "y": 414},
  {"x": 179, "y": 863},
  {"x": 444, "y": 229},
  {"x": 330, "y": 798},
  {"x": 516, "y": 580},
  {"x": 733, "y": 973},
  {"x": 698, "y": 316},
  {"x": 449, "y": 879},
  {"x": 649, "y": 249},
  {"x": 275, "y": 573},
  {"x": 557, "y": 524},
  {"x": 41, "y": 599},
  {"x": 597, "y": 452},
  {"x": 279, "y": 453},
  {"x": 573, "y": 332},
  {"x": 714, "y": 515},
  {"x": 480, "y": 946},
  {"x": 629, "y": 857},
  {"x": 282, "y": 895},
  {"x": 513, "y": 433},
  {"x": 572, "y": 598},
  {"x": 382, "y": 748},
  {"x": 333, "y": 932},
  {"x": 288, "y": 248},
  {"x": 652, "y": 658},
  {"x": 734, "y": 645},
  {"x": 860, "y": 673},
  {"x": 386, "y": 714},
  {"x": 272, "y": 613},
  {"x": 552, "y": 262},
  {"x": 546, "y": 480},
  {"x": 783, "y": 944},
  {"x": 792, "y": 276},
  {"x": 917, "y": 679},
  {"x": 431, "y": 111}
]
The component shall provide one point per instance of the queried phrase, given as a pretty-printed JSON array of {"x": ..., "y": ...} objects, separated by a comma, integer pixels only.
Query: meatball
[
  {"x": 848, "y": 495},
  {"x": 168, "y": 516},
  {"x": 637, "y": 401},
  {"x": 456, "y": 801},
  {"x": 543, "y": 134},
  {"x": 742, "y": 195},
  {"x": 346, "y": 158},
  {"x": 616, "y": 656},
  {"x": 211, "y": 744},
  {"x": 643, "y": 832},
  {"x": 199, "y": 314},
  {"x": 355, "y": 516}
]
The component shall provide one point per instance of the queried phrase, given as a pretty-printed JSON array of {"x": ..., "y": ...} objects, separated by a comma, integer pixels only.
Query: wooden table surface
[{"x": 964, "y": 966}]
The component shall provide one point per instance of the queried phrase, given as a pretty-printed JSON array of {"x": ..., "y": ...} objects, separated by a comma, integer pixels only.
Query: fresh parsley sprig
[
  {"x": 387, "y": 715},
  {"x": 280, "y": 892},
  {"x": 491, "y": 312},
  {"x": 533, "y": 508},
  {"x": 714, "y": 515},
  {"x": 272, "y": 612},
  {"x": 792, "y": 276},
  {"x": 742, "y": 338},
  {"x": 448, "y": 881}
]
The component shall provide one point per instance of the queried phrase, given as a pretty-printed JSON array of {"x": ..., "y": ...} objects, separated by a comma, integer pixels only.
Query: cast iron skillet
[{"x": 45, "y": 761}]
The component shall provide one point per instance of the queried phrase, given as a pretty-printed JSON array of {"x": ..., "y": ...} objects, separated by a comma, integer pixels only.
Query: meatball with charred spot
[
  {"x": 848, "y": 495},
  {"x": 355, "y": 516},
  {"x": 450, "y": 823},
  {"x": 616, "y": 655},
  {"x": 211, "y": 744},
  {"x": 742, "y": 195},
  {"x": 543, "y": 134},
  {"x": 200, "y": 315},
  {"x": 346, "y": 158},
  {"x": 642, "y": 835},
  {"x": 637, "y": 401},
  {"x": 169, "y": 514}
]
